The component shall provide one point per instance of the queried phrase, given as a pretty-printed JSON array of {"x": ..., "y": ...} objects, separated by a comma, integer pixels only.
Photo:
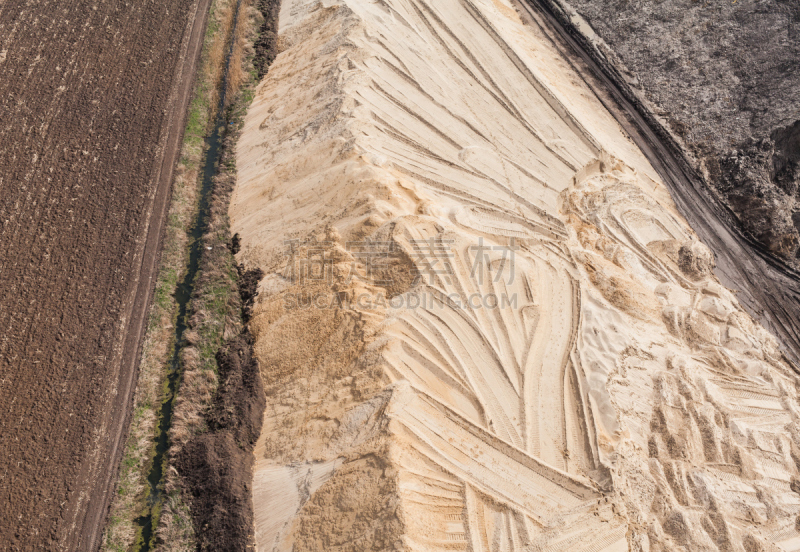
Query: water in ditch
[{"x": 183, "y": 294}]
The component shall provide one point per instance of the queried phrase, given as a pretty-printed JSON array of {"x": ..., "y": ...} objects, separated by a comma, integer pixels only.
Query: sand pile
[{"x": 483, "y": 325}]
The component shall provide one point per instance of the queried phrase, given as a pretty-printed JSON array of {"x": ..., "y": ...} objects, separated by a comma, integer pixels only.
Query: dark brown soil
[
  {"x": 93, "y": 95},
  {"x": 768, "y": 285},
  {"x": 220, "y": 491},
  {"x": 248, "y": 282},
  {"x": 267, "y": 35},
  {"x": 217, "y": 466},
  {"x": 240, "y": 401},
  {"x": 724, "y": 75}
]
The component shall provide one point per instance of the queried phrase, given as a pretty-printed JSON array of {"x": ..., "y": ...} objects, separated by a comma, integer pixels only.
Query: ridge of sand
[{"x": 484, "y": 326}]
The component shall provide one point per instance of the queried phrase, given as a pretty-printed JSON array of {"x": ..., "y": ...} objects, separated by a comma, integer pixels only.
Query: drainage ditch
[{"x": 183, "y": 295}]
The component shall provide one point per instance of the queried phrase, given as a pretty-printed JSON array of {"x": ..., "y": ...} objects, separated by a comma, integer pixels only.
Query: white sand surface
[{"x": 484, "y": 326}]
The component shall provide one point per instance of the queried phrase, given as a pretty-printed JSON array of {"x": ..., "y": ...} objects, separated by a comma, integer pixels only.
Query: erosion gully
[{"x": 183, "y": 295}]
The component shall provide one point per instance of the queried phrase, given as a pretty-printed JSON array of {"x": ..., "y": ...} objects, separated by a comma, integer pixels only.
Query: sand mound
[{"x": 483, "y": 325}]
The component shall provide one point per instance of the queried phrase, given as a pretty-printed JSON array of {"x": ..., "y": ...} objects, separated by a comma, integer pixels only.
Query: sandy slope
[{"x": 514, "y": 341}]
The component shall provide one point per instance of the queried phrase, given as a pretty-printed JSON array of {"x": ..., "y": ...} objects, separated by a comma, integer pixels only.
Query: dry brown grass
[
  {"x": 223, "y": 12},
  {"x": 215, "y": 308},
  {"x": 242, "y": 49}
]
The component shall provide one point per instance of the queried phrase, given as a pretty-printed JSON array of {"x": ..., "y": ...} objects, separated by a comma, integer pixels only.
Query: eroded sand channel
[{"x": 484, "y": 326}]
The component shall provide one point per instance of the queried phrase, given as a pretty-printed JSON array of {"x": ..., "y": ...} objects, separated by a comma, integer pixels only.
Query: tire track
[{"x": 768, "y": 288}]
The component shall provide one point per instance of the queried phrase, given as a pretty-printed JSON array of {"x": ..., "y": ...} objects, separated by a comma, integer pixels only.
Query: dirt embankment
[
  {"x": 215, "y": 433},
  {"x": 768, "y": 285},
  {"x": 215, "y": 461},
  {"x": 217, "y": 466},
  {"x": 723, "y": 76},
  {"x": 94, "y": 96},
  {"x": 265, "y": 45}
]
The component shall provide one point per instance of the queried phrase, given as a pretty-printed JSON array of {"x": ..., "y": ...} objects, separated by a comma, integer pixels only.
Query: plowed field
[{"x": 93, "y": 98}]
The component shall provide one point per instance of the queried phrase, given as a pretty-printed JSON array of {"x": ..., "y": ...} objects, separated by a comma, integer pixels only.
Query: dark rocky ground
[{"x": 725, "y": 75}]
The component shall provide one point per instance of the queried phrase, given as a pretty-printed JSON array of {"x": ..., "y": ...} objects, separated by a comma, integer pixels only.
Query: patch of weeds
[{"x": 215, "y": 313}]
